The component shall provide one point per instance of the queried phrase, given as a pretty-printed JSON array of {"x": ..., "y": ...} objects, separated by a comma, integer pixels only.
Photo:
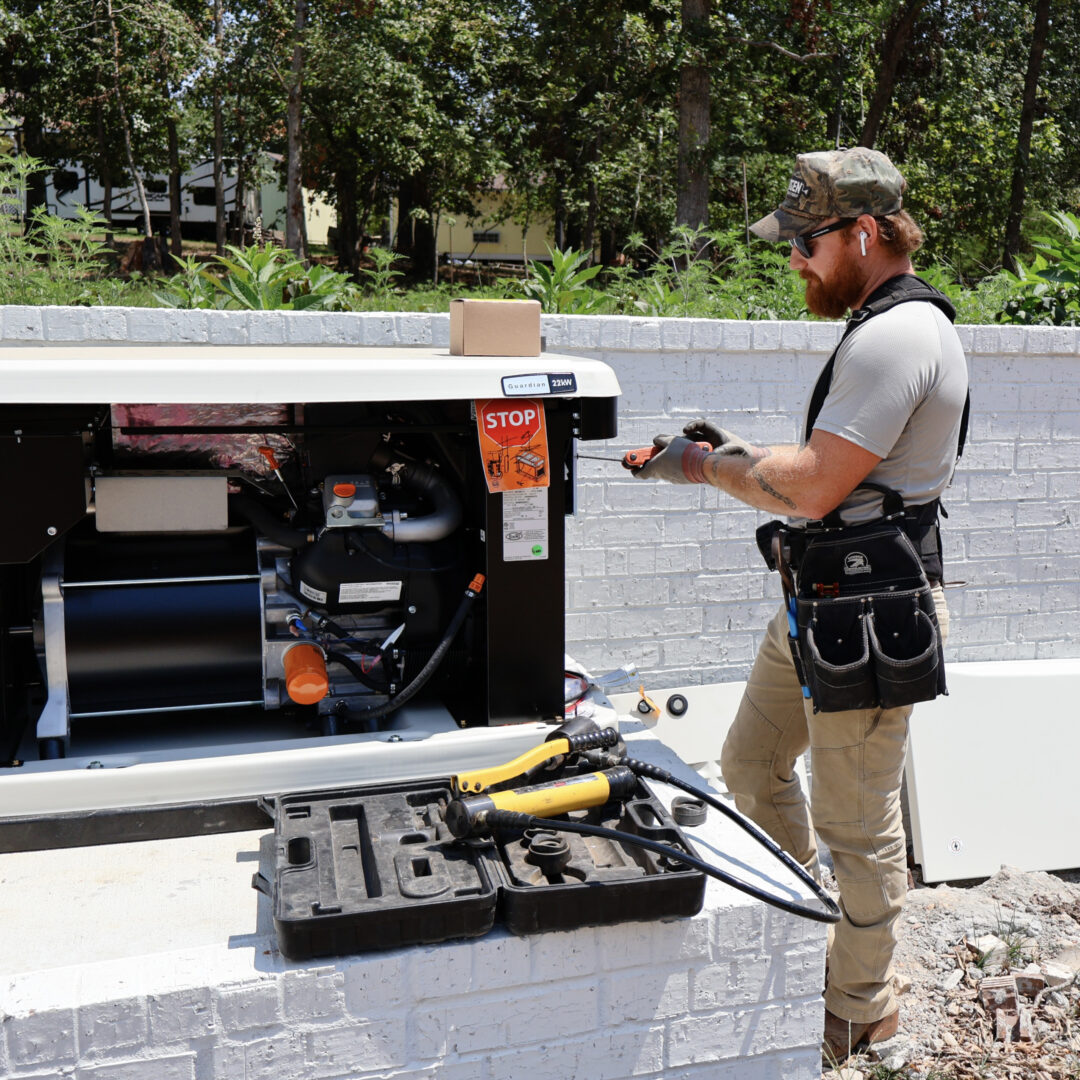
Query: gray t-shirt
[{"x": 898, "y": 390}]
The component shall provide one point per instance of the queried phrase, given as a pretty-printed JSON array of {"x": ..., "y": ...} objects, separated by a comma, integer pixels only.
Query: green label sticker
[{"x": 538, "y": 549}]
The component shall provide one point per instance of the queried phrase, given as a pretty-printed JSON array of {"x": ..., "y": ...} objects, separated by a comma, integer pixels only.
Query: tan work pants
[{"x": 857, "y": 762}]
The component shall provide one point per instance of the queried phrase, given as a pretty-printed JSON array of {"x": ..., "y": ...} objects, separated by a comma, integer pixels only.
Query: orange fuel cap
[
  {"x": 344, "y": 491},
  {"x": 305, "y": 674}
]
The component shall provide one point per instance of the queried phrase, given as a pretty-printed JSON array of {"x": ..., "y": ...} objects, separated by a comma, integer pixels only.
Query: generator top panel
[{"x": 224, "y": 374}]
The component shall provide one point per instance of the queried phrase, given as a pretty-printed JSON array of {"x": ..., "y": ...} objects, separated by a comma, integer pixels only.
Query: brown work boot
[{"x": 844, "y": 1037}]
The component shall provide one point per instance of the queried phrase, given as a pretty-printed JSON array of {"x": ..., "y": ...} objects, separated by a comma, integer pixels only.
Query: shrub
[
  {"x": 563, "y": 288},
  {"x": 52, "y": 261},
  {"x": 1047, "y": 293},
  {"x": 258, "y": 278}
]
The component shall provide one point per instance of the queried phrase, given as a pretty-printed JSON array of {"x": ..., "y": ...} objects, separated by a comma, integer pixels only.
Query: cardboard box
[{"x": 494, "y": 327}]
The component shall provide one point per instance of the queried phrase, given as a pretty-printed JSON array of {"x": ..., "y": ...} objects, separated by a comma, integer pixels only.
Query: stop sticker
[
  {"x": 513, "y": 443},
  {"x": 509, "y": 423}
]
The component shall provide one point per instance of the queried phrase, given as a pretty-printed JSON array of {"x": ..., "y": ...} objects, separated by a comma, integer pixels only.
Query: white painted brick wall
[
  {"x": 732, "y": 991},
  {"x": 668, "y": 578}
]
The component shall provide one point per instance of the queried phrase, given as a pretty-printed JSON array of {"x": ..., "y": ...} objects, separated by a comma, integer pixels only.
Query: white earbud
[{"x": 862, "y": 242}]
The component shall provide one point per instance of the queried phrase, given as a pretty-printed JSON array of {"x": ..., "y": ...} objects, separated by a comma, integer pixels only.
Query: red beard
[{"x": 843, "y": 290}]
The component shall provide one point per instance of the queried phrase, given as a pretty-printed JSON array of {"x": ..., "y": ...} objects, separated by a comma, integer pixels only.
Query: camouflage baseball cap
[{"x": 834, "y": 183}]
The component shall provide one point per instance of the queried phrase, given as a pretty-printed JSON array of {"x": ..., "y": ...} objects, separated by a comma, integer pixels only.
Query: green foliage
[
  {"x": 975, "y": 303},
  {"x": 1047, "y": 293},
  {"x": 192, "y": 286},
  {"x": 1042, "y": 305},
  {"x": 382, "y": 279},
  {"x": 432, "y": 102},
  {"x": 563, "y": 288},
  {"x": 258, "y": 278},
  {"x": 52, "y": 261},
  {"x": 709, "y": 274}
]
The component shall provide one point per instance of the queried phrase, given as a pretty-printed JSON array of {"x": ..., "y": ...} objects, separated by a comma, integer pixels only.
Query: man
[{"x": 888, "y": 410}]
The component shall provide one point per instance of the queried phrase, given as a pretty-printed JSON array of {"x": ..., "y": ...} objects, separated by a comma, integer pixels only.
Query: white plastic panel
[
  {"x": 195, "y": 374},
  {"x": 991, "y": 772},
  {"x": 115, "y": 781}
]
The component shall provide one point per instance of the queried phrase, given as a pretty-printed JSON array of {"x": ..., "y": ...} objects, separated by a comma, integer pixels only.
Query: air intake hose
[
  {"x": 427, "y": 481},
  {"x": 267, "y": 523}
]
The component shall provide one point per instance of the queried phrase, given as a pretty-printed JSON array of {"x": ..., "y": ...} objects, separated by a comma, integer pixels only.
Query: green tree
[{"x": 585, "y": 114}]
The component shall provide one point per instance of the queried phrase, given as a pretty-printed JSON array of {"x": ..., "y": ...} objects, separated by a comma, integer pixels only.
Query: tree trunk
[
  {"x": 692, "y": 200},
  {"x": 415, "y": 237},
  {"x": 560, "y": 210},
  {"x": 435, "y": 247},
  {"x": 105, "y": 173},
  {"x": 240, "y": 197},
  {"x": 176, "y": 240},
  {"x": 106, "y": 177},
  {"x": 34, "y": 145},
  {"x": 348, "y": 246},
  {"x": 295, "y": 232},
  {"x": 892, "y": 52},
  {"x": 1023, "y": 139},
  {"x": 219, "y": 142},
  {"x": 588, "y": 234},
  {"x": 403, "y": 235},
  {"x": 150, "y": 259},
  {"x": 423, "y": 235},
  {"x": 369, "y": 183},
  {"x": 609, "y": 247}
]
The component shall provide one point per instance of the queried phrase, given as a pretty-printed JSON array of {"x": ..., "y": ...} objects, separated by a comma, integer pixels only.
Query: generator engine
[{"x": 315, "y": 566}]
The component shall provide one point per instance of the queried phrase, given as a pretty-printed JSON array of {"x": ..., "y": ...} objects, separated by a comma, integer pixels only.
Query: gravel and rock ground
[{"x": 989, "y": 981}]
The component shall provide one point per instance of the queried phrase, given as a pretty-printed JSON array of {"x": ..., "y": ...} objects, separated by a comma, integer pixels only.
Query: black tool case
[
  {"x": 376, "y": 868},
  {"x": 373, "y": 868},
  {"x": 560, "y": 880}
]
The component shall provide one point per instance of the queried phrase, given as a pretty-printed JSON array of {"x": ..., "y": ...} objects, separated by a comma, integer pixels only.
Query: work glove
[
  {"x": 679, "y": 461},
  {"x": 723, "y": 441}
]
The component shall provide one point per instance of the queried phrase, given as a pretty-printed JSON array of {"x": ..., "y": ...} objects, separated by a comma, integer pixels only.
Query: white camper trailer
[{"x": 70, "y": 186}]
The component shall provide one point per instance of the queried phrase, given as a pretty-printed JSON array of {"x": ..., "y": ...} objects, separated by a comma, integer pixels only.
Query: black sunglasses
[{"x": 801, "y": 243}]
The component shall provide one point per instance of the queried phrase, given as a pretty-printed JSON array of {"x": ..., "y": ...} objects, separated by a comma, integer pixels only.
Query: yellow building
[{"x": 491, "y": 234}]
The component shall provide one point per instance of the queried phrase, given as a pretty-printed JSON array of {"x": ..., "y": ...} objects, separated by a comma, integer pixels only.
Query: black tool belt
[{"x": 862, "y": 626}]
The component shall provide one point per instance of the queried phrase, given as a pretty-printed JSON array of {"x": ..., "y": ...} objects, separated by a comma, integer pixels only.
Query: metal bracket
[{"x": 55, "y": 719}]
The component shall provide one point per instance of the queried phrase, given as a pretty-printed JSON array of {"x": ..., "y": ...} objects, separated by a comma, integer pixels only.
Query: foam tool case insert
[{"x": 377, "y": 868}]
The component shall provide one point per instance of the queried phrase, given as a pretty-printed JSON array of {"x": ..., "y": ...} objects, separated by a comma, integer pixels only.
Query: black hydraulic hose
[
  {"x": 377, "y": 712},
  {"x": 511, "y": 819},
  {"x": 357, "y": 671},
  {"x": 268, "y": 523},
  {"x": 654, "y": 772}
]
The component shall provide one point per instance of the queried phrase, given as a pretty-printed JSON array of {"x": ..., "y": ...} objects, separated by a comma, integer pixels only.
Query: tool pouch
[{"x": 867, "y": 628}]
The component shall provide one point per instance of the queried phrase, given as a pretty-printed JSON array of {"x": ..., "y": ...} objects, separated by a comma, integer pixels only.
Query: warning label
[
  {"x": 513, "y": 443},
  {"x": 368, "y": 592},
  {"x": 525, "y": 525}
]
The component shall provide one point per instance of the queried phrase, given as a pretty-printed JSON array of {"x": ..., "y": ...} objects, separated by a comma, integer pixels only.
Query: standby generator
[{"x": 276, "y": 539}]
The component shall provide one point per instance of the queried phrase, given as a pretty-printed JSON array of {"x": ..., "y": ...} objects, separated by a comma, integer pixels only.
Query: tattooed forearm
[{"x": 770, "y": 490}]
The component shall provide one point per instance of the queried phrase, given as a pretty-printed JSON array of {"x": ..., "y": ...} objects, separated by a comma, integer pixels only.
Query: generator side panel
[{"x": 526, "y": 632}]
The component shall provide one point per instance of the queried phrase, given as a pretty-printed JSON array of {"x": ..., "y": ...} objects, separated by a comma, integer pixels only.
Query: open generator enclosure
[{"x": 214, "y": 551}]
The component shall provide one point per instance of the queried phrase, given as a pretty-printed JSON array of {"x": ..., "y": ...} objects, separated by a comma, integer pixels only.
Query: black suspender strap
[{"x": 898, "y": 290}]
